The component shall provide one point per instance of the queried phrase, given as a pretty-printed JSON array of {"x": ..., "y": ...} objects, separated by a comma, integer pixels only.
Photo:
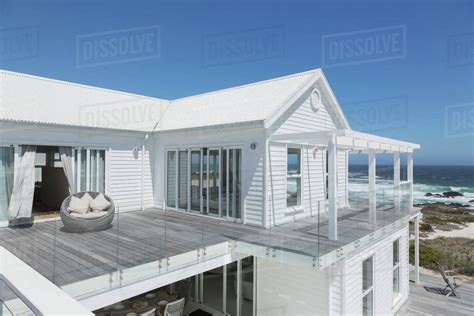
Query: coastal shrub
[
  {"x": 453, "y": 253},
  {"x": 425, "y": 227},
  {"x": 446, "y": 217}
]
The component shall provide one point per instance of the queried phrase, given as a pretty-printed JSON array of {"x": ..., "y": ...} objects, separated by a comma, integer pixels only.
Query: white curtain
[
  {"x": 23, "y": 189},
  {"x": 7, "y": 155},
  {"x": 68, "y": 166}
]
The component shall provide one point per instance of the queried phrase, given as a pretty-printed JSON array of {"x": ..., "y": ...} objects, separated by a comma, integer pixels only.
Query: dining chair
[{"x": 175, "y": 308}]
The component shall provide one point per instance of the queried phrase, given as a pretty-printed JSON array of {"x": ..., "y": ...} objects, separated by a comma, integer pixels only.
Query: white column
[
  {"x": 332, "y": 187},
  {"x": 372, "y": 193},
  {"x": 396, "y": 181},
  {"x": 410, "y": 179},
  {"x": 417, "y": 250}
]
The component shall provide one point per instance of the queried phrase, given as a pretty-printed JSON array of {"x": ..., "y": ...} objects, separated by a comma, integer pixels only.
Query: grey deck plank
[{"x": 423, "y": 302}]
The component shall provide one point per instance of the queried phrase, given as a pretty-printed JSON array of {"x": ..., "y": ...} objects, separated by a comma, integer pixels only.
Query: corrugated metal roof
[
  {"x": 40, "y": 100},
  {"x": 34, "y": 99}
]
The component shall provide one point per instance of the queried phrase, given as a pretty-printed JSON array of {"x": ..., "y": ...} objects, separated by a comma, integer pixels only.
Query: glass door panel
[
  {"x": 234, "y": 176},
  {"x": 246, "y": 286},
  {"x": 183, "y": 180},
  {"x": 196, "y": 180},
  {"x": 231, "y": 288},
  {"x": 83, "y": 175},
  {"x": 224, "y": 183},
  {"x": 214, "y": 184},
  {"x": 93, "y": 170},
  {"x": 213, "y": 287},
  {"x": 101, "y": 171},
  {"x": 205, "y": 181},
  {"x": 6, "y": 180},
  {"x": 171, "y": 179}
]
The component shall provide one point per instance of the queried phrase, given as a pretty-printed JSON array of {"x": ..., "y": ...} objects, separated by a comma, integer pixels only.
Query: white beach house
[{"x": 241, "y": 193}]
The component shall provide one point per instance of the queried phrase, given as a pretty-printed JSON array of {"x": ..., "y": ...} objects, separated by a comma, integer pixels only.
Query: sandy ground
[{"x": 465, "y": 232}]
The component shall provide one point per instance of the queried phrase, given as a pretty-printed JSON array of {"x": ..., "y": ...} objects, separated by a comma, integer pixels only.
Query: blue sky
[{"x": 409, "y": 95}]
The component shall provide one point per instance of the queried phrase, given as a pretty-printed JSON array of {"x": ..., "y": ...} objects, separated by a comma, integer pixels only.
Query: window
[
  {"x": 368, "y": 286},
  {"x": 293, "y": 181},
  {"x": 396, "y": 268}
]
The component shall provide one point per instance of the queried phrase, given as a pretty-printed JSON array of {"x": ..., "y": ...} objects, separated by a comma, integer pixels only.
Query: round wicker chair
[{"x": 79, "y": 225}]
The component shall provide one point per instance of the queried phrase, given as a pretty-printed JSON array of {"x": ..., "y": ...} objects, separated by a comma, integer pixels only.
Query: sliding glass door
[
  {"x": 6, "y": 180},
  {"x": 207, "y": 181},
  {"x": 90, "y": 170}
]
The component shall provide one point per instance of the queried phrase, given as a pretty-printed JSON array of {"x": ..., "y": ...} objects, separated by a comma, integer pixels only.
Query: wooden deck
[
  {"x": 424, "y": 299},
  {"x": 145, "y": 236}
]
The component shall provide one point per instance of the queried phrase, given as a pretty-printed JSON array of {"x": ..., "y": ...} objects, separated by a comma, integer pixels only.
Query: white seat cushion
[
  {"x": 89, "y": 215},
  {"x": 99, "y": 204},
  {"x": 78, "y": 206}
]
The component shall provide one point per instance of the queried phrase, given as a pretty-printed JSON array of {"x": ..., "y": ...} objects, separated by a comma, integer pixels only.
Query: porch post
[
  {"x": 332, "y": 187},
  {"x": 396, "y": 181},
  {"x": 410, "y": 179},
  {"x": 417, "y": 250},
  {"x": 372, "y": 193}
]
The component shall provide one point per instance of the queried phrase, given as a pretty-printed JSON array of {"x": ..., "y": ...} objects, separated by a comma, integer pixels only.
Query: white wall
[
  {"x": 313, "y": 185},
  {"x": 302, "y": 118},
  {"x": 286, "y": 291},
  {"x": 335, "y": 290},
  {"x": 383, "y": 299},
  {"x": 123, "y": 170},
  {"x": 252, "y": 162},
  {"x": 125, "y": 180}
]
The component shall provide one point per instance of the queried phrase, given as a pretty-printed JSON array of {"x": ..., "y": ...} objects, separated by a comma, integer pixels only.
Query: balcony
[{"x": 147, "y": 244}]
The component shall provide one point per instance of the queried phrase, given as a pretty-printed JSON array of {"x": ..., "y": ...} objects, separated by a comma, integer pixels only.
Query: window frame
[
  {"x": 371, "y": 288},
  {"x": 396, "y": 267},
  {"x": 295, "y": 176}
]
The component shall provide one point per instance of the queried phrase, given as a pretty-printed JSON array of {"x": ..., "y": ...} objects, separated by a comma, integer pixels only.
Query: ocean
[{"x": 427, "y": 179}]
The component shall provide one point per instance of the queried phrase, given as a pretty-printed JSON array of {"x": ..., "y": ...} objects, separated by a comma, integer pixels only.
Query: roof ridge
[
  {"x": 249, "y": 84},
  {"x": 74, "y": 84}
]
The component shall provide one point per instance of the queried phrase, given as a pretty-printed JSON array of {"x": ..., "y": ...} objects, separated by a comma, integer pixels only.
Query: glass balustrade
[{"x": 147, "y": 244}]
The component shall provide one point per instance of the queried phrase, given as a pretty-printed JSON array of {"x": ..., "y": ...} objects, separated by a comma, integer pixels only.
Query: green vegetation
[
  {"x": 445, "y": 217},
  {"x": 454, "y": 253}
]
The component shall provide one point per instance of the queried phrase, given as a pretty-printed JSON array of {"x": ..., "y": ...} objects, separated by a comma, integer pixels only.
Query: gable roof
[{"x": 34, "y": 99}]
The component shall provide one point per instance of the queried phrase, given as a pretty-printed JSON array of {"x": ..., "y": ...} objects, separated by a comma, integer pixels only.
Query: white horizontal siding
[
  {"x": 341, "y": 177},
  {"x": 253, "y": 197},
  {"x": 126, "y": 180},
  {"x": 276, "y": 184},
  {"x": 305, "y": 119},
  {"x": 314, "y": 181},
  {"x": 383, "y": 293}
]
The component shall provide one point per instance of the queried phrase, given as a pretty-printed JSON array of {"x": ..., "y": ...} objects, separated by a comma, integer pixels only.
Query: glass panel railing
[
  {"x": 139, "y": 245},
  {"x": 10, "y": 302},
  {"x": 23, "y": 291}
]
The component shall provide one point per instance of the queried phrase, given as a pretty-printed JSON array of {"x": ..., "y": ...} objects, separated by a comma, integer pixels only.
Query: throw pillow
[
  {"x": 99, "y": 204},
  {"x": 87, "y": 197},
  {"x": 77, "y": 205}
]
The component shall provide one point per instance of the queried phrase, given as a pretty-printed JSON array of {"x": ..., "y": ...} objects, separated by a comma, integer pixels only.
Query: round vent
[{"x": 315, "y": 100}]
